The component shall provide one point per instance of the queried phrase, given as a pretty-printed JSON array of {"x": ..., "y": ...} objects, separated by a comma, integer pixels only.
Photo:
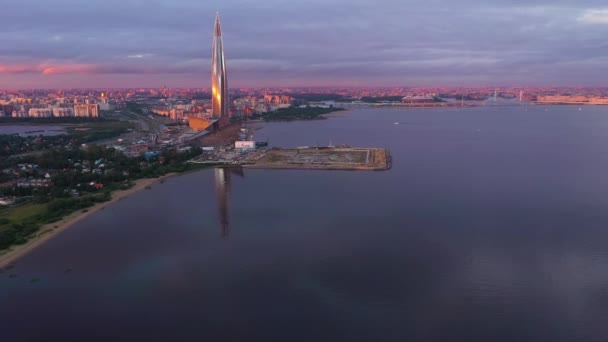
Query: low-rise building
[
  {"x": 4, "y": 201},
  {"x": 244, "y": 145},
  {"x": 33, "y": 183}
]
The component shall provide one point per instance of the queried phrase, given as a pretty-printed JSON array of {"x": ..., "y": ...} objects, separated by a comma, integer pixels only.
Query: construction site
[
  {"x": 233, "y": 145},
  {"x": 320, "y": 158}
]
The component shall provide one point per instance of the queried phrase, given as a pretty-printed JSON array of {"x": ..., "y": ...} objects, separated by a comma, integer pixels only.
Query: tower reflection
[{"x": 223, "y": 185}]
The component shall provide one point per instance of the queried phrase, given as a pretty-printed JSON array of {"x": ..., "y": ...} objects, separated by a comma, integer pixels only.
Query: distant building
[
  {"x": 33, "y": 183},
  {"x": 572, "y": 99},
  {"x": 417, "y": 99},
  {"x": 63, "y": 112},
  {"x": 278, "y": 99},
  {"x": 86, "y": 110},
  {"x": 248, "y": 111},
  {"x": 244, "y": 145},
  {"x": 19, "y": 114},
  {"x": 250, "y": 102},
  {"x": 105, "y": 105},
  {"x": 176, "y": 114},
  {"x": 40, "y": 113}
]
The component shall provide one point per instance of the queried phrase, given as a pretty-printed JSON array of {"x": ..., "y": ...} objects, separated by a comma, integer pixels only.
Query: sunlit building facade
[
  {"x": 219, "y": 82},
  {"x": 86, "y": 110}
]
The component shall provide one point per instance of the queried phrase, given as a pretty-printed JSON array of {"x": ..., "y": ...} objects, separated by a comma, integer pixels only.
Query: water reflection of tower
[{"x": 222, "y": 193}]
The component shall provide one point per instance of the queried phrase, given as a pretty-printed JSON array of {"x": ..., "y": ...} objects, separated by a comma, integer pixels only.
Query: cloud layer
[
  {"x": 130, "y": 43},
  {"x": 595, "y": 16}
]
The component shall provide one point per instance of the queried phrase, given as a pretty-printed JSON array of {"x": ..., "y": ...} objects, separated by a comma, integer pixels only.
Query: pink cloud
[
  {"x": 47, "y": 69},
  {"x": 51, "y": 69},
  {"x": 67, "y": 69},
  {"x": 14, "y": 69}
]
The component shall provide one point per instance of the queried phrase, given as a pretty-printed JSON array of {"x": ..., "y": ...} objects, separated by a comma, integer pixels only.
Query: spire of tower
[{"x": 218, "y": 29}]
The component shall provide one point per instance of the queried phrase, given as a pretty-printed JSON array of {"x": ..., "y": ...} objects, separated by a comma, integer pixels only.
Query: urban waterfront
[{"x": 490, "y": 226}]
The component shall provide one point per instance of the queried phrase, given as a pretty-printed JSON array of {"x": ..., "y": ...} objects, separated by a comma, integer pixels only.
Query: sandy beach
[{"x": 49, "y": 231}]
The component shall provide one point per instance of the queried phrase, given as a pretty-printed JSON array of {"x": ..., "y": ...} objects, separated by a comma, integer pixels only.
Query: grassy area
[
  {"x": 17, "y": 224},
  {"x": 99, "y": 130},
  {"x": 23, "y": 213}
]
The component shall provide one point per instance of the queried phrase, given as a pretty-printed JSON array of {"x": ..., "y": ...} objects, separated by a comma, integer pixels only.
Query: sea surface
[
  {"x": 492, "y": 225},
  {"x": 26, "y": 131}
]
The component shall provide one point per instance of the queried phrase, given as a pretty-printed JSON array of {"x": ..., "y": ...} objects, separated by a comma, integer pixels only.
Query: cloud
[
  {"x": 65, "y": 69},
  {"x": 48, "y": 69},
  {"x": 392, "y": 42},
  {"x": 14, "y": 69},
  {"x": 595, "y": 16},
  {"x": 51, "y": 69}
]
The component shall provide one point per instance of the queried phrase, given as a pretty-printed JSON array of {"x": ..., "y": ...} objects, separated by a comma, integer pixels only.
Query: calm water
[
  {"x": 31, "y": 130},
  {"x": 491, "y": 226}
]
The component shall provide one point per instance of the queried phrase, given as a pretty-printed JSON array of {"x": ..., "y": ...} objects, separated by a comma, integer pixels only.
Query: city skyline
[{"x": 338, "y": 43}]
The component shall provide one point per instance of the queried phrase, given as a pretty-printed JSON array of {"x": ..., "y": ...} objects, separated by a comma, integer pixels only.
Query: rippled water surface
[{"x": 492, "y": 225}]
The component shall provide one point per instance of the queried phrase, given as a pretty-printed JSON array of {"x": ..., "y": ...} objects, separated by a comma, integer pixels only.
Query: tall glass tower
[{"x": 219, "y": 81}]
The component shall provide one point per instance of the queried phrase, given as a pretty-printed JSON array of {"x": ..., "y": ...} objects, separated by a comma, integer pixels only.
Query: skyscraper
[{"x": 219, "y": 81}]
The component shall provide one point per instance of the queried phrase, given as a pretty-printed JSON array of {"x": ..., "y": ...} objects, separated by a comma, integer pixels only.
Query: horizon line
[{"x": 318, "y": 87}]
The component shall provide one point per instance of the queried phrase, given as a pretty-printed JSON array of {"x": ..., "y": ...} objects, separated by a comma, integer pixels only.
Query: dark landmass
[
  {"x": 316, "y": 97},
  {"x": 54, "y": 121},
  {"x": 99, "y": 130},
  {"x": 135, "y": 107},
  {"x": 296, "y": 113},
  {"x": 77, "y": 134},
  {"x": 370, "y": 99}
]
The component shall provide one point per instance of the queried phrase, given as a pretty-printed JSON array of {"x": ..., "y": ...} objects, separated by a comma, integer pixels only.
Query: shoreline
[
  {"x": 50, "y": 230},
  {"x": 337, "y": 113}
]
